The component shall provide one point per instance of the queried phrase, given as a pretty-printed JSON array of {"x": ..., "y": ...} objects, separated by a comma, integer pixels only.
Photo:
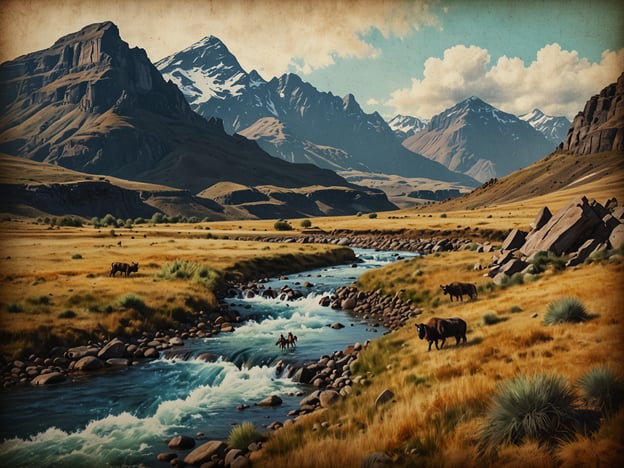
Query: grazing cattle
[
  {"x": 441, "y": 329},
  {"x": 125, "y": 268},
  {"x": 458, "y": 290}
]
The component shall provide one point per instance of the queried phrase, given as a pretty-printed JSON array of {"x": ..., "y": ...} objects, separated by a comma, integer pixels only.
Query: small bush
[
  {"x": 243, "y": 435},
  {"x": 603, "y": 389},
  {"x": 542, "y": 410},
  {"x": 76, "y": 257},
  {"x": 541, "y": 261},
  {"x": 196, "y": 273},
  {"x": 282, "y": 226},
  {"x": 443, "y": 215},
  {"x": 568, "y": 309},
  {"x": 372, "y": 215},
  {"x": 67, "y": 314},
  {"x": 306, "y": 223},
  {"x": 14, "y": 308},
  {"x": 132, "y": 301},
  {"x": 491, "y": 318},
  {"x": 515, "y": 309},
  {"x": 513, "y": 280}
]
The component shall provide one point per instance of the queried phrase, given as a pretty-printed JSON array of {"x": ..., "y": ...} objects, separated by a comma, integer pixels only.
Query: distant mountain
[
  {"x": 290, "y": 118},
  {"x": 479, "y": 140},
  {"x": 600, "y": 125},
  {"x": 405, "y": 126},
  {"x": 553, "y": 128},
  {"x": 90, "y": 103}
]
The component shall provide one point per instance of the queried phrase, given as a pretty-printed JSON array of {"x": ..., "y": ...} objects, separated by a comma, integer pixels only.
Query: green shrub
[
  {"x": 242, "y": 435},
  {"x": 282, "y": 226},
  {"x": 515, "y": 309},
  {"x": 77, "y": 257},
  {"x": 132, "y": 301},
  {"x": 14, "y": 308},
  {"x": 541, "y": 410},
  {"x": 443, "y": 215},
  {"x": 192, "y": 271},
  {"x": 491, "y": 318},
  {"x": 541, "y": 261},
  {"x": 372, "y": 215},
  {"x": 603, "y": 389},
  {"x": 513, "y": 280},
  {"x": 567, "y": 309},
  {"x": 109, "y": 220},
  {"x": 306, "y": 223}
]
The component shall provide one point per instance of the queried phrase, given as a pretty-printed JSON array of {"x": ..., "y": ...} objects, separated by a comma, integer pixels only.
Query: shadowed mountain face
[
  {"x": 91, "y": 103},
  {"x": 479, "y": 140},
  {"x": 290, "y": 118},
  {"x": 600, "y": 125}
]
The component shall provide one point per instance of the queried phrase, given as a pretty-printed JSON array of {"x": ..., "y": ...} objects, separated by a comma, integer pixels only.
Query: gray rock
[
  {"x": 176, "y": 341},
  {"x": 514, "y": 240},
  {"x": 231, "y": 455},
  {"x": 204, "y": 452},
  {"x": 118, "y": 362},
  {"x": 114, "y": 349},
  {"x": 241, "y": 462},
  {"x": 384, "y": 397},
  {"x": 48, "y": 379},
  {"x": 541, "y": 219},
  {"x": 513, "y": 266},
  {"x": 377, "y": 459},
  {"x": 89, "y": 363},
  {"x": 272, "y": 400},
  {"x": 181, "y": 442},
  {"x": 616, "y": 238},
  {"x": 328, "y": 398}
]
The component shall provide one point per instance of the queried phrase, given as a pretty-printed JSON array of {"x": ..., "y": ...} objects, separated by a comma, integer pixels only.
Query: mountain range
[
  {"x": 92, "y": 104},
  {"x": 291, "y": 119},
  {"x": 479, "y": 140}
]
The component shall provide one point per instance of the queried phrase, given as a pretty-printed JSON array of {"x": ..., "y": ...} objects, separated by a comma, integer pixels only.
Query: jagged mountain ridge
[
  {"x": 319, "y": 118},
  {"x": 600, "y": 125},
  {"x": 554, "y": 129},
  {"x": 91, "y": 103},
  {"x": 479, "y": 140},
  {"x": 405, "y": 126}
]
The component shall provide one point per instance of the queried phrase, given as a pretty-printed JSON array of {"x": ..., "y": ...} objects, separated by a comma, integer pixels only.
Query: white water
[{"x": 125, "y": 417}]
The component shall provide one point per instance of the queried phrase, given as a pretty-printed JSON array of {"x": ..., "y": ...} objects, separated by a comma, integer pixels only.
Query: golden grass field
[{"x": 441, "y": 397}]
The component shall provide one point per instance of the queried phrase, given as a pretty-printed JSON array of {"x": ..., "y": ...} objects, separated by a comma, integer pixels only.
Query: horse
[
  {"x": 292, "y": 340},
  {"x": 282, "y": 342}
]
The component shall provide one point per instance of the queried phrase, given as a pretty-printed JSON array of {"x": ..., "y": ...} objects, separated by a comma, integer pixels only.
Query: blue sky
[{"x": 396, "y": 56}]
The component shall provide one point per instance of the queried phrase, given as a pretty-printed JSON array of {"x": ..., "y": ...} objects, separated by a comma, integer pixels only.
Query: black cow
[
  {"x": 125, "y": 268},
  {"x": 459, "y": 290},
  {"x": 441, "y": 329}
]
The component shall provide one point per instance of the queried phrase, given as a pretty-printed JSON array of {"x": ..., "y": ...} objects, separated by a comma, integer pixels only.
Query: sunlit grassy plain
[{"x": 441, "y": 397}]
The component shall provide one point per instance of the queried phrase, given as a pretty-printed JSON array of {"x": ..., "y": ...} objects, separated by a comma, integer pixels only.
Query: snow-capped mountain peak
[
  {"x": 405, "y": 126},
  {"x": 553, "y": 128},
  {"x": 199, "y": 82}
]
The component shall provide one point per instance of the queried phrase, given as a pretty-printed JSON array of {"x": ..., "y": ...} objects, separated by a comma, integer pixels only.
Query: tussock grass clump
[
  {"x": 567, "y": 309},
  {"x": 244, "y": 434},
  {"x": 192, "y": 271},
  {"x": 541, "y": 410},
  {"x": 603, "y": 389},
  {"x": 132, "y": 301},
  {"x": 490, "y": 318},
  {"x": 542, "y": 260}
]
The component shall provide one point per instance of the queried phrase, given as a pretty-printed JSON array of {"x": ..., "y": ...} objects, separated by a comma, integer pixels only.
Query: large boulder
[
  {"x": 565, "y": 231},
  {"x": 328, "y": 398},
  {"x": 88, "y": 363},
  {"x": 48, "y": 379},
  {"x": 541, "y": 219},
  {"x": 181, "y": 442},
  {"x": 514, "y": 240},
  {"x": 272, "y": 400},
  {"x": 114, "y": 349},
  {"x": 616, "y": 238},
  {"x": 384, "y": 397},
  {"x": 204, "y": 452}
]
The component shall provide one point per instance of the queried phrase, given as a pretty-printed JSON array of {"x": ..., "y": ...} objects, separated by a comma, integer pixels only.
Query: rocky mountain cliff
[
  {"x": 91, "y": 103},
  {"x": 479, "y": 140},
  {"x": 600, "y": 125},
  {"x": 554, "y": 129},
  {"x": 290, "y": 118}
]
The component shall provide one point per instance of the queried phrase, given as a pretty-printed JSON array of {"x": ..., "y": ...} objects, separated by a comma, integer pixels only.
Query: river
[{"x": 125, "y": 417}]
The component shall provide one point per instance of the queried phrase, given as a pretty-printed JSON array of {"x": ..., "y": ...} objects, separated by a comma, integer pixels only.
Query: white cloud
[
  {"x": 271, "y": 36},
  {"x": 372, "y": 102},
  {"x": 558, "y": 82}
]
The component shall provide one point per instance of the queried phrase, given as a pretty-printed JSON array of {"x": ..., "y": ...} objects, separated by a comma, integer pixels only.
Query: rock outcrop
[
  {"x": 600, "y": 125},
  {"x": 577, "y": 231}
]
